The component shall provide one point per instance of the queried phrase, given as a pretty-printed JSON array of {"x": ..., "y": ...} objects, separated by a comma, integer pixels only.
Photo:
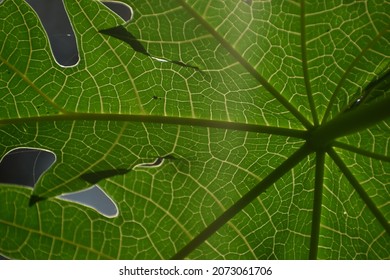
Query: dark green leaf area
[
  {"x": 52, "y": 229},
  {"x": 347, "y": 217},
  {"x": 259, "y": 226}
]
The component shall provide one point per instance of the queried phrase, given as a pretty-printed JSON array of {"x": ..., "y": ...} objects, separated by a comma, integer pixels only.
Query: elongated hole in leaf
[
  {"x": 158, "y": 162},
  {"x": 58, "y": 28},
  {"x": 121, "y": 9},
  {"x": 24, "y": 166}
]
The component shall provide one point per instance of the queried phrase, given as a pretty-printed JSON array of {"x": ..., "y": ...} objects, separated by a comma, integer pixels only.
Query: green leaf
[{"x": 247, "y": 104}]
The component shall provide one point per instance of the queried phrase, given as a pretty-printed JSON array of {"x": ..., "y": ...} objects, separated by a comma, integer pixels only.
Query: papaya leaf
[{"x": 220, "y": 129}]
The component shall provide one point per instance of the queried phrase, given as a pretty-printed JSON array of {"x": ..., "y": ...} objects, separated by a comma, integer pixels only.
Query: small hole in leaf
[
  {"x": 56, "y": 23},
  {"x": 155, "y": 97},
  {"x": 24, "y": 166},
  {"x": 156, "y": 163},
  {"x": 121, "y": 9}
]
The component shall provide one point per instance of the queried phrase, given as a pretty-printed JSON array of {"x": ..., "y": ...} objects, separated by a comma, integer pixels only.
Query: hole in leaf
[
  {"x": 24, "y": 166},
  {"x": 121, "y": 9},
  {"x": 58, "y": 28},
  {"x": 95, "y": 198},
  {"x": 157, "y": 163}
]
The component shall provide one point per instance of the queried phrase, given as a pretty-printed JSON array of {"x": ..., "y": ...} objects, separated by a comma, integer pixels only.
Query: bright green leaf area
[{"x": 270, "y": 151}]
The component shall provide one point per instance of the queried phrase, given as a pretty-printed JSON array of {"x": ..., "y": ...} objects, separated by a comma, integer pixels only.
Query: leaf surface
[{"x": 241, "y": 102}]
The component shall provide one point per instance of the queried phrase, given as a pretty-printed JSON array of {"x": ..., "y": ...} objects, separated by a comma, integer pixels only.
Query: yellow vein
[
  {"x": 244, "y": 201},
  {"x": 219, "y": 203},
  {"x": 185, "y": 231},
  {"x": 105, "y": 155},
  {"x": 32, "y": 85},
  {"x": 78, "y": 245},
  {"x": 121, "y": 62}
]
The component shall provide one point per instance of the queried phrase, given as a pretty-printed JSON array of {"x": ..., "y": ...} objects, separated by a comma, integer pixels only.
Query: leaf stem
[
  {"x": 317, "y": 204},
  {"x": 361, "y": 151},
  {"x": 163, "y": 120},
  {"x": 244, "y": 201},
  {"x": 349, "y": 122}
]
